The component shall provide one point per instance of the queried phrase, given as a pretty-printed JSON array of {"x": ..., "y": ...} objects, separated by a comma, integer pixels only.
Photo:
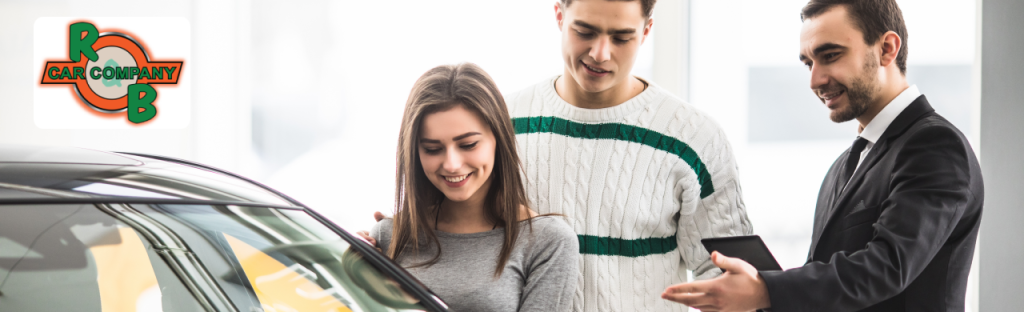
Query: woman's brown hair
[{"x": 438, "y": 90}]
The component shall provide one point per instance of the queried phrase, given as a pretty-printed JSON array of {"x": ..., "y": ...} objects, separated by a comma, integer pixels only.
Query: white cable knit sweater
[{"x": 641, "y": 183}]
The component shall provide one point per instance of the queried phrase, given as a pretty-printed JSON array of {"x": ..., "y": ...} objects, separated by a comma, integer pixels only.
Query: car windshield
[{"x": 162, "y": 257}]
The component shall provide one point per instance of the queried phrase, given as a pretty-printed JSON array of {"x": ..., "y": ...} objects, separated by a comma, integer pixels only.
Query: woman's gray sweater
[{"x": 541, "y": 274}]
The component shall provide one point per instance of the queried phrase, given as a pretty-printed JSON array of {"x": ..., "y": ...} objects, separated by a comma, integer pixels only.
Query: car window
[
  {"x": 76, "y": 258},
  {"x": 137, "y": 257}
]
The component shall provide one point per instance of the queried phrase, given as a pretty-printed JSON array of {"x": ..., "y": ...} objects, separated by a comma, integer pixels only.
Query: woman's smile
[{"x": 456, "y": 181}]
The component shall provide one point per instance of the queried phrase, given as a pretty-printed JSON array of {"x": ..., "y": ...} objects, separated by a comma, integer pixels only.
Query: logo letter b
[{"x": 145, "y": 103}]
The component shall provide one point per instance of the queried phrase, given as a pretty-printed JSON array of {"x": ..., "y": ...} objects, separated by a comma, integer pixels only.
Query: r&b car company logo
[{"x": 112, "y": 73}]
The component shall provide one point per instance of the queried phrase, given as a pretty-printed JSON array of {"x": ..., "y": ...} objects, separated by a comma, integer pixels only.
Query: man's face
[
  {"x": 600, "y": 39},
  {"x": 844, "y": 69}
]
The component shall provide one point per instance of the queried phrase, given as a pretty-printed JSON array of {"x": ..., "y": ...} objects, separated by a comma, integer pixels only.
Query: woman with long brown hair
[{"x": 462, "y": 224}]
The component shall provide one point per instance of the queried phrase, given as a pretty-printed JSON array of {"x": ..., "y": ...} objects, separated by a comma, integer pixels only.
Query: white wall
[{"x": 218, "y": 132}]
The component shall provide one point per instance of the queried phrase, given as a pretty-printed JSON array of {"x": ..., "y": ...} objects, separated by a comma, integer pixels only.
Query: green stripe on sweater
[
  {"x": 622, "y": 132},
  {"x": 610, "y": 246}
]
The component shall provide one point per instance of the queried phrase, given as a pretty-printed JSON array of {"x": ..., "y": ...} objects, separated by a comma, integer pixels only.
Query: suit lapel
[
  {"x": 869, "y": 162},
  {"x": 826, "y": 200},
  {"x": 836, "y": 206}
]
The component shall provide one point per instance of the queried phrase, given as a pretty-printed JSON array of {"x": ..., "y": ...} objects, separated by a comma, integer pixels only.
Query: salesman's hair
[
  {"x": 440, "y": 89},
  {"x": 873, "y": 17},
  {"x": 646, "y": 6}
]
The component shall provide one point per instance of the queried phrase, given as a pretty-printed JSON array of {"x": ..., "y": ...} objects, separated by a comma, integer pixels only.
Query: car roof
[
  {"x": 44, "y": 175},
  {"x": 48, "y": 174}
]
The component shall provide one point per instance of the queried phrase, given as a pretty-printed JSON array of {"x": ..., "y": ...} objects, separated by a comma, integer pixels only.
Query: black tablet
[{"x": 750, "y": 248}]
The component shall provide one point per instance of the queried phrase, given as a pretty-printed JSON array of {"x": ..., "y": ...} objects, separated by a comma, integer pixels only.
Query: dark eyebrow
[
  {"x": 822, "y": 48},
  {"x": 585, "y": 25},
  {"x": 624, "y": 31},
  {"x": 466, "y": 135},
  {"x": 825, "y": 47},
  {"x": 460, "y": 137}
]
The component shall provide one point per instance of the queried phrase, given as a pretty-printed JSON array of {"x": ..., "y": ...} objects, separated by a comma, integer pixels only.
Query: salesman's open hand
[{"x": 740, "y": 288}]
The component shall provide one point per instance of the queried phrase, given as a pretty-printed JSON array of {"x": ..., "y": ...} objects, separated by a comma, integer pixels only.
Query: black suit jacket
[{"x": 901, "y": 235}]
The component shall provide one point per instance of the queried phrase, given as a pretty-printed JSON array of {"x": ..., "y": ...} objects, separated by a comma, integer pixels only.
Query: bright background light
[
  {"x": 307, "y": 96},
  {"x": 359, "y": 66}
]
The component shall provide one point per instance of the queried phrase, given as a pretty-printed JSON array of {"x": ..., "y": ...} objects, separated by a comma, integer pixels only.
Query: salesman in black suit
[{"x": 898, "y": 213}]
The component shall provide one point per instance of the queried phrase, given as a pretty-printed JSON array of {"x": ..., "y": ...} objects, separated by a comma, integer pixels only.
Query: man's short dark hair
[
  {"x": 873, "y": 17},
  {"x": 647, "y": 6}
]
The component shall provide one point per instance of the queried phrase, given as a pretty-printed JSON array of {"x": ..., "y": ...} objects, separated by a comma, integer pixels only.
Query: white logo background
[{"x": 165, "y": 38}]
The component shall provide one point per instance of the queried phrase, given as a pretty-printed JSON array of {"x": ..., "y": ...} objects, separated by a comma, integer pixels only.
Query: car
[{"x": 88, "y": 230}]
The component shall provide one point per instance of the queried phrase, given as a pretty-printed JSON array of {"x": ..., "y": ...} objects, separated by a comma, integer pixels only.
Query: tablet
[{"x": 750, "y": 248}]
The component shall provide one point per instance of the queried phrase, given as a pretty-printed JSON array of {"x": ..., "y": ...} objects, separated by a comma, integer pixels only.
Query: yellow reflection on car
[
  {"x": 124, "y": 274},
  {"x": 279, "y": 287}
]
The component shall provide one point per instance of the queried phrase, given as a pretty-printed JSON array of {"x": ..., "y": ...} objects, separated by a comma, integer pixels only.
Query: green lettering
[
  {"x": 79, "y": 73},
  {"x": 113, "y": 72},
  {"x": 95, "y": 72},
  {"x": 65, "y": 73},
  {"x": 54, "y": 73},
  {"x": 145, "y": 73},
  {"x": 157, "y": 73},
  {"x": 140, "y": 103},
  {"x": 108, "y": 73},
  {"x": 78, "y": 45},
  {"x": 124, "y": 73},
  {"x": 170, "y": 71},
  {"x": 134, "y": 72}
]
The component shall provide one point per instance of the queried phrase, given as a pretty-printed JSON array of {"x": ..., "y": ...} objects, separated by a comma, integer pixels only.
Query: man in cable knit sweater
[{"x": 641, "y": 175}]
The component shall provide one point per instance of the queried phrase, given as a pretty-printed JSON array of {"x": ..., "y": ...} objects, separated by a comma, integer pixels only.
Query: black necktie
[{"x": 853, "y": 159}]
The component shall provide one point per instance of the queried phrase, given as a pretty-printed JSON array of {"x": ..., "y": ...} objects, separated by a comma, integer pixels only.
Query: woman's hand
[
  {"x": 366, "y": 235},
  {"x": 369, "y": 240}
]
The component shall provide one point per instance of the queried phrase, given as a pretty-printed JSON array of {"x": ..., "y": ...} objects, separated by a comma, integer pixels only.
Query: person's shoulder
[
  {"x": 928, "y": 126},
  {"x": 530, "y": 91},
  {"x": 515, "y": 97},
  {"x": 519, "y": 102},
  {"x": 687, "y": 123},
  {"x": 550, "y": 237},
  {"x": 938, "y": 124},
  {"x": 935, "y": 132},
  {"x": 667, "y": 99},
  {"x": 552, "y": 227},
  {"x": 669, "y": 103}
]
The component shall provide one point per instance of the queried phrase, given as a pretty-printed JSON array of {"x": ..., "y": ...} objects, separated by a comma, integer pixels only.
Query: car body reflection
[{"x": 124, "y": 232}]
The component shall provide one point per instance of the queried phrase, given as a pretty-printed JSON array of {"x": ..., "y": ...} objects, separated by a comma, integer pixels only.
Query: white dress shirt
[{"x": 877, "y": 126}]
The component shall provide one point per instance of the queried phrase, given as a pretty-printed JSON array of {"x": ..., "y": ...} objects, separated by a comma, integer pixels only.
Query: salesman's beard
[{"x": 860, "y": 93}]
